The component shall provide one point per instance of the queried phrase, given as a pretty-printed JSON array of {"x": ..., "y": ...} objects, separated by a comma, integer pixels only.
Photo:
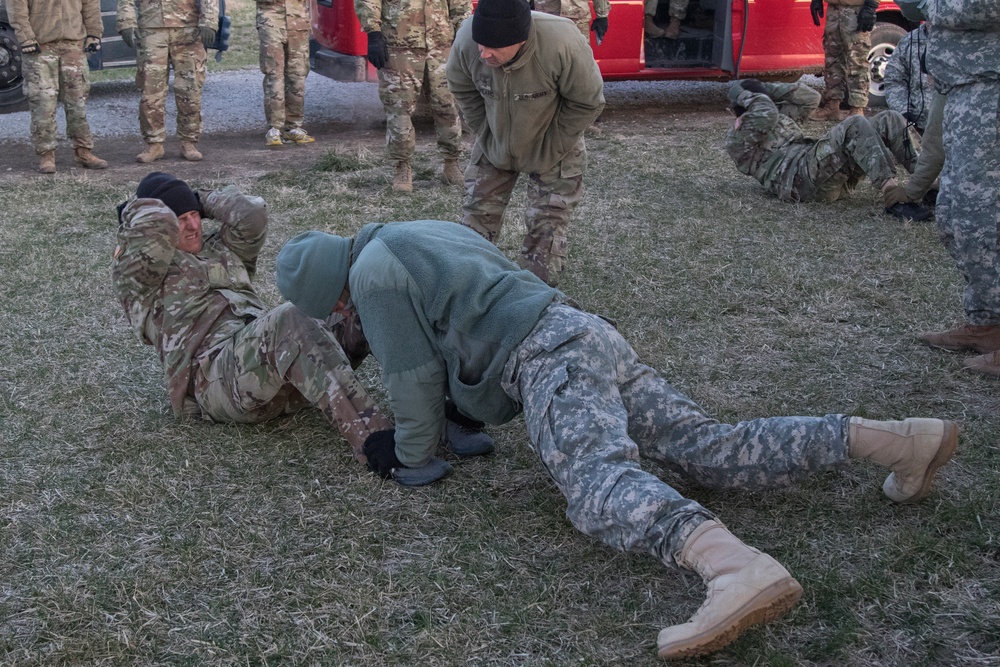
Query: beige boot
[
  {"x": 152, "y": 153},
  {"x": 745, "y": 588},
  {"x": 190, "y": 152},
  {"x": 673, "y": 30},
  {"x": 86, "y": 158},
  {"x": 403, "y": 182},
  {"x": 856, "y": 111},
  {"x": 47, "y": 162},
  {"x": 450, "y": 172},
  {"x": 913, "y": 449},
  {"x": 829, "y": 111},
  {"x": 981, "y": 338},
  {"x": 651, "y": 29}
]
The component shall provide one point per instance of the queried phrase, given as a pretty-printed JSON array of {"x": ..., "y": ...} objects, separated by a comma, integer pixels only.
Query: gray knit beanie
[{"x": 311, "y": 271}]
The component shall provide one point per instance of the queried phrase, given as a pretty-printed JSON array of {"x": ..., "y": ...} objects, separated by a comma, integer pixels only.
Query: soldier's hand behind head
[
  {"x": 207, "y": 37},
  {"x": 91, "y": 44},
  {"x": 128, "y": 36},
  {"x": 816, "y": 8},
  {"x": 378, "y": 50},
  {"x": 29, "y": 48}
]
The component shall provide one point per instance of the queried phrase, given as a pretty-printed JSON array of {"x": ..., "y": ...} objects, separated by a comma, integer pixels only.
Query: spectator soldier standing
[
  {"x": 446, "y": 313},
  {"x": 528, "y": 86},
  {"x": 408, "y": 40},
  {"x": 578, "y": 11},
  {"x": 169, "y": 33},
  {"x": 846, "y": 41},
  {"x": 908, "y": 88},
  {"x": 54, "y": 34},
  {"x": 283, "y": 27}
]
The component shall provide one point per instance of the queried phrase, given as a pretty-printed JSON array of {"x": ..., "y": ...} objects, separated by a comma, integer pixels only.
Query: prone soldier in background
[
  {"x": 165, "y": 33},
  {"x": 54, "y": 36},
  {"x": 283, "y": 27},
  {"x": 408, "y": 40}
]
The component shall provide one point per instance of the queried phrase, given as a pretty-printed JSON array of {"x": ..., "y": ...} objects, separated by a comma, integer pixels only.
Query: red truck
[{"x": 720, "y": 40}]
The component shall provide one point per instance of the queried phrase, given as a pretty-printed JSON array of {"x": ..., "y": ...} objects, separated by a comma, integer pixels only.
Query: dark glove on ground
[
  {"x": 128, "y": 36},
  {"x": 378, "y": 50},
  {"x": 866, "y": 16},
  {"x": 816, "y": 7},
  {"x": 91, "y": 44},
  {"x": 754, "y": 86},
  {"x": 207, "y": 37},
  {"x": 380, "y": 449},
  {"x": 600, "y": 27},
  {"x": 29, "y": 48}
]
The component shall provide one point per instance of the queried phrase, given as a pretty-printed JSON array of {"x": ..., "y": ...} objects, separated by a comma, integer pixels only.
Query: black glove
[
  {"x": 378, "y": 50},
  {"x": 121, "y": 210},
  {"x": 128, "y": 36},
  {"x": 208, "y": 37},
  {"x": 816, "y": 7},
  {"x": 29, "y": 48},
  {"x": 754, "y": 86},
  {"x": 600, "y": 27},
  {"x": 866, "y": 16},
  {"x": 380, "y": 448},
  {"x": 91, "y": 44}
]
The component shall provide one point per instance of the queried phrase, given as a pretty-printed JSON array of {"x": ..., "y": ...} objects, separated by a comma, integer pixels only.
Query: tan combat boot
[
  {"x": 152, "y": 153},
  {"x": 913, "y": 449},
  {"x": 987, "y": 364},
  {"x": 856, "y": 111},
  {"x": 86, "y": 158},
  {"x": 745, "y": 588},
  {"x": 403, "y": 182},
  {"x": 829, "y": 111},
  {"x": 673, "y": 30},
  {"x": 982, "y": 339},
  {"x": 651, "y": 29},
  {"x": 47, "y": 162},
  {"x": 190, "y": 152},
  {"x": 450, "y": 172}
]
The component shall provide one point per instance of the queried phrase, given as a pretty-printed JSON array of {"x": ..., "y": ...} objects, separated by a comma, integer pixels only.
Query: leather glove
[
  {"x": 91, "y": 44},
  {"x": 128, "y": 36},
  {"x": 816, "y": 7},
  {"x": 29, "y": 48},
  {"x": 378, "y": 50},
  {"x": 380, "y": 450},
  {"x": 754, "y": 86},
  {"x": 895, "y": 195},
  {"x": 207, "y": 37},
  {"x": 600, "y": 28},
  {"x": 866, "y": 16}
]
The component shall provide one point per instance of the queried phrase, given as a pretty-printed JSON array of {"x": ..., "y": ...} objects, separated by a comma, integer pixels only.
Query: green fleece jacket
[
  {"x": 528, "y": 114},
  {"x": 442, "y": 309}
]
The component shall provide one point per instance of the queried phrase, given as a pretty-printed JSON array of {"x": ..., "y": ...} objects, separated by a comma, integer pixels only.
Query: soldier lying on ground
[
  {"x": 447, "y": 314},
  {"x": 771, "y": 147},
  {"x": 227, "y": 357}
]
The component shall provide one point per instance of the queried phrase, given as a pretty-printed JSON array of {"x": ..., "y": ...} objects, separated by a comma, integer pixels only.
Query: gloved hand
[
  {"x": 866, "y": 16},
  {"x": 380, "y": 449},
  {"x": 91, "y": 44},
  {"x": 895, "y": 195},
  {"x": 128, "y": 36},
  {"x": 600, "y": 27},
  {"x": 816, "y": 7},
  {"x": 378, "y": 50},
  {"x": 754, "y": 86},
  {"x": 208, "y": 37},
  {"x": 29, "y": 48}
]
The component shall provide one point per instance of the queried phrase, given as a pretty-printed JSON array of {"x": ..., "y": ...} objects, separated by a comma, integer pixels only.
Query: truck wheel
[
  {"x": 885, "y": 36},
  {"x": 11, "y": 81}
]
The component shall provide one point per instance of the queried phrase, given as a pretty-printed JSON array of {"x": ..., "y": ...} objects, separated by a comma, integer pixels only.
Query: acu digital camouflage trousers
[
  {"x": 851, "y": 150},
  {"x": 284, "y": 60},
  {"x": 552, "y": 196},
  {"x": 59, "y": 69},
  {"x": 592, "y": 410},
  {"x": 968, "y": 205},
  {"x": 280, "y": 363},
  {"x": 159, "y": 48},
  {"x": 400, "y": 83},
  {"x": 845, "y": 66}
]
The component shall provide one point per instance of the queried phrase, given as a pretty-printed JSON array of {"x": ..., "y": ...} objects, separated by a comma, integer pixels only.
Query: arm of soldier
[
  {"x": 243, "y": 221},
  {"x": 897, "y": 79},
  {"x": 458, "y": 11},
  {"x": 602, "y": 8},
  {"x": 761, "y": 113},
  {"x": 92, "y": 22},
  {"x": 126, "y": 15},
  {"x": 18, "y": 15},
  {"x": 973, "y": 15},
  {"x": 208, "y": 14},
  {"x": 580, "y": 87},
  {"x": 460, "y": 83},
  {"x": 147, "y": 239},
  {"x": 369, "y": 14},
  {"x": 931, "y": 158}
]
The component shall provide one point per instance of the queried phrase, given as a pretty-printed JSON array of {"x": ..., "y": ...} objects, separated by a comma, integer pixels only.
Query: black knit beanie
[
  {"x": 172, "y": 191},
  {"x": 500, "y": 23}
]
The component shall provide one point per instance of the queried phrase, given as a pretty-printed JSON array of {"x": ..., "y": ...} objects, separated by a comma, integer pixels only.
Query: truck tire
[
  {"x": 885, "y": 36},
  {"x": 11, "y": 80}
]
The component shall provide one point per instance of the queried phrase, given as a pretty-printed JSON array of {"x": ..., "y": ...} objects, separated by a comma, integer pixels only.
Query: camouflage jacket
[
  {"x": 290, "y": 14},
  {"x": 181, "y": 303},
  {"x": 907, "y": 87},
  {"x": 413, "y": 24},
  {"x": 45, "y": 21},
  {"x": 167, "y": 14},
  {"x": 767, "y": 144},
  {"x": 577, "y": 11},
  {"x": 965, "y": 42}
]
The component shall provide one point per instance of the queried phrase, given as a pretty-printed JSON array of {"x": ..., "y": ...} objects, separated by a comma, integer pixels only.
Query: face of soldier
[
  {"x": 498, "y": 57},
  {"x": 189, "y": 239}
]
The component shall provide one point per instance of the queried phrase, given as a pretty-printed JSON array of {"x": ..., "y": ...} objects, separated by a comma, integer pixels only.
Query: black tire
[
  {"x": 11, "y": 79},
  {"x": 885, "y": 36}
]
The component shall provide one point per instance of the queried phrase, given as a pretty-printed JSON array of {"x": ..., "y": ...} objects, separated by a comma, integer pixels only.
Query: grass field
[{"x": 130, "y": 538}]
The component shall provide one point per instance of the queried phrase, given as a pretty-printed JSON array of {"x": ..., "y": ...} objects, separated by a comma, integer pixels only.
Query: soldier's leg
[
  {"x": 272, "y": 66},
  {"x": 188, "y": 56},
  {"x": 398, "y": 89},
  {"x": 249, "y": 379},
  {"x": 447, "y": 122},
  {"x": 487, "y": 193},
  {"x": 891, "y": 128},
  {"x": 853, "y": 147},
  {"x": 552, "y": 196},
  {"x": 41, "y": 80},
  {"x": 74, "y": 70},
  {"x": 835, "y": 41},
  {"x": 296, "y": 71},
  {"x": 155, "y": 46},
  {"x": 857, "y": 46}
]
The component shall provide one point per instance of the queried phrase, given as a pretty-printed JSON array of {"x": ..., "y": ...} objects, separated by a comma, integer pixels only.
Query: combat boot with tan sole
[
  {"x": 673, "y": 30},
  {"x": 152, "y": 153},
  {"x": 451, "y": 174},
  {"x": 981, "y": 338},
  {"x": 47, "y": 162},
  {"x": 86, "y": 159},
  {"x": 650, "y": 28},
  {"x": 190, "y": 152},
  {"x": 829, "y": 111},
  {"x": 403, "y": 181}
]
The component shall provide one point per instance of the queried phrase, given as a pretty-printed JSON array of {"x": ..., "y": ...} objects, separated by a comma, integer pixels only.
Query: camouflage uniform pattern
[
  {"x": 845, "y": 66},
  {"x": 677, "y": 10},
  {"x": 908, "y": 89},
  {"x": 224, "y": 355},
  {"x": 419, "y": 35},
  {"x": 552, "y": 196},
  {"x": 795, "y": 100},
  {"x": 58, "y": 70},
  {"x": 592, "y": 410},
  {"x": 577, "y": 11},
  {"x": 283, "y": 28}
]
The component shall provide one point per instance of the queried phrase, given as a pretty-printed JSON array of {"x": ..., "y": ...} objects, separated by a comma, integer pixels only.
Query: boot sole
[
  {"x": 949, "y": 443},
  {"x": 768, "y": 606}
]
